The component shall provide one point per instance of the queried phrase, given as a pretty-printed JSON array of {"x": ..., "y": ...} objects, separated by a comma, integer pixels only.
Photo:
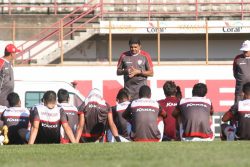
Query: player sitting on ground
[
  {"x": 72, "y": 113},
  {"x": 46, "y": 121},
  {"x": 123, "y": 126},
  {"x": 195, "y": 115},
  {"x": 97, "y": 114},
  {"x": 16, "y": 119},
  {"x": 168, "y": 105},
  {"x": 239, "y": 114},
  {"x": 143, "y": 114}
]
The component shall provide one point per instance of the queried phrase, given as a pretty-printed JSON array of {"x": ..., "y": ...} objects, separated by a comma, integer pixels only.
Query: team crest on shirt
[{"x": 139, "y": 62}]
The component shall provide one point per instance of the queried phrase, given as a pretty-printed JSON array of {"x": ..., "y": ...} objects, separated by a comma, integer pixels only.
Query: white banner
[{"x": 174, "y": 27}]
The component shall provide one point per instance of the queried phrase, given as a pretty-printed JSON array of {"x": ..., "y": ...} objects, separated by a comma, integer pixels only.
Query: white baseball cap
[{"x": 245, "y": 46}]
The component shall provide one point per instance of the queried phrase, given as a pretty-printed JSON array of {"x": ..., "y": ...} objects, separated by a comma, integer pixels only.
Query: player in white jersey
[
  {"x": 46, "y": 121},
  {"x": 16, "y": 119}
]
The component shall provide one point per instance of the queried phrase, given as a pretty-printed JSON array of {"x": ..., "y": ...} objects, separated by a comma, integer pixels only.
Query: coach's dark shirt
[
  {"x": 141, "y": 61},
  {"x": 241, "y": 71},
  {"x": 6, "y": 81}
]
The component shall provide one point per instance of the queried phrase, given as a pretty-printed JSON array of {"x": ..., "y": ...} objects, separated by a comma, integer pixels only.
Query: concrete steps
[{"x": 67, "y": 46}]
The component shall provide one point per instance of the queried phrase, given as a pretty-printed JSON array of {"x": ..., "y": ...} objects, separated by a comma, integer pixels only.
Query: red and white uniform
[
  {"x": 195, "y": 117},
  {"x": 72, "y": 118},
  {"x": 15, "y": 118},
  {"x": 50, "y": 123},
  {"x": 168, "y": 105},
  {"x": 143, "y": 114}
]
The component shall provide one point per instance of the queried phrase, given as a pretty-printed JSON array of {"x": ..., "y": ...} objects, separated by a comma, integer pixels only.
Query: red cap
[{"x": 11, "y": 49}]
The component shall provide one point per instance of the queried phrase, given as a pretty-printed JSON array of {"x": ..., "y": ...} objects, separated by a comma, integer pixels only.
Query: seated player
[
  {"x": 46, "y": 121},
  {"x": 72, "y": 114},
  {"x": 97, "y": 116},
  {"x": 194, "y": 115},
  {"x": 239, "y": 115},
  {"x": 123, "y": 126},
  {"x": 168, "y": 105},
  {"x": 143, "y": 114},
  {"x": 16, "y": 119}
]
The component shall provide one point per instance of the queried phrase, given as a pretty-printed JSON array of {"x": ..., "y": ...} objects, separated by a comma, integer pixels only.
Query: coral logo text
[
  {"x": 236, "y": 27},
  {"x": 154, "y": 29}
]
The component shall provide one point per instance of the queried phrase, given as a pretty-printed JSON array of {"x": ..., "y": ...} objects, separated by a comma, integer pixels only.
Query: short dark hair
[
  {"x": 246, "y": 88},
  {"x": 6, "y": 53},
  {"x": 169, "y": 88},
  {"x": 49, "y": 96},
  {"x": 199, "y": 89},
  {"x": 62, "y": 95},
  {"x": 122, "y": 94},
  {"x": 134, "y": 40},
  {"x": 13, "y": 99},
  {"x": 145, "y": 91}
]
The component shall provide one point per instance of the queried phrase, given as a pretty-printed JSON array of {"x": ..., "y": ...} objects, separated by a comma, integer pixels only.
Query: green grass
[{"x": 165, "y": 154}]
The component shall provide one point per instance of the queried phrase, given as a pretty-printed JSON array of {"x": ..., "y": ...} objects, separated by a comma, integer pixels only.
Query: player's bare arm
[
  {"x": 80, "y": 127},
  {"x": 33, "y": 132},
  {"x": 227, "y": 116},
  {"x": 69, "y": 132}
]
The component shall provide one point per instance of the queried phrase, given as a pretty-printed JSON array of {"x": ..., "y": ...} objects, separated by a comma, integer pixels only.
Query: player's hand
[{"x": 133, "y": 71}]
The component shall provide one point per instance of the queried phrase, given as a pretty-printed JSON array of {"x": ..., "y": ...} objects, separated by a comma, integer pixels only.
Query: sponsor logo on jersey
[
  {"x": 196, "y": 105},
  {"x": 70, "y": 113},
  {"x": 49, "y": 126},
  {"x": 247, "y": 116},
  {"x": 171, "y": 104},
  {"x": 15, "y": 120},
  {"x": 92, "y": 106},
  {"x": 49, "y": 114},
  {"x": 145, "y": 110}
]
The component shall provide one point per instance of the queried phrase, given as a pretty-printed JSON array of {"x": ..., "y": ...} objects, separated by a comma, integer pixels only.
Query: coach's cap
[
  {"x": 11, "y": 48},
  {"x": 245, "y": 46}
]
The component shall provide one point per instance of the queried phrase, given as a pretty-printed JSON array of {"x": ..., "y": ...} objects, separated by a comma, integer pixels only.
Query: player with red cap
[{"x": 6, "y": 73}]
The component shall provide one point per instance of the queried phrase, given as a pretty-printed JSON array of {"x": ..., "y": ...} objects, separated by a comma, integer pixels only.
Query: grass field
[{"x": 202, "y": 154}]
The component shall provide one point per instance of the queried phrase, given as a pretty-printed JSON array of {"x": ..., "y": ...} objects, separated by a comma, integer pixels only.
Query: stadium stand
[{"x": 80, "y": 19}]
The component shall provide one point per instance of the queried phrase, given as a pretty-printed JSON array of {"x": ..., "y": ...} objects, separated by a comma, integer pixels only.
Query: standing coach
[
  {"x": 6, "y": 73},
  {"x": 135, "y": 65},
  {"x": 241, "y": 69}
]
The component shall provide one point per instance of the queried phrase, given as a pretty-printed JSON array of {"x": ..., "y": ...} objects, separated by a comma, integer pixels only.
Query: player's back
[
  {"x": 168, "y": 105},
  {"x": 15, "y": 118},
  {"x": 243, "y": 120},
  {"x": 120, "y": 122},
  {"x": 50, "y": 122},
  {"x": 144, "y": 120},
  {"x": 195, "y": 117}
]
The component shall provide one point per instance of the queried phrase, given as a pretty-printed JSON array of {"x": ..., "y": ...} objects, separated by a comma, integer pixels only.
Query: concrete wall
[
  {"x": 173, "y": 48},
  {"x": 36, "y": 21}
]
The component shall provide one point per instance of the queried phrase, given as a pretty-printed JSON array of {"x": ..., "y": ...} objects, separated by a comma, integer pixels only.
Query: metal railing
[
  {"x": 103, "y": 9},
  {"x": 55, "y": 31}
]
